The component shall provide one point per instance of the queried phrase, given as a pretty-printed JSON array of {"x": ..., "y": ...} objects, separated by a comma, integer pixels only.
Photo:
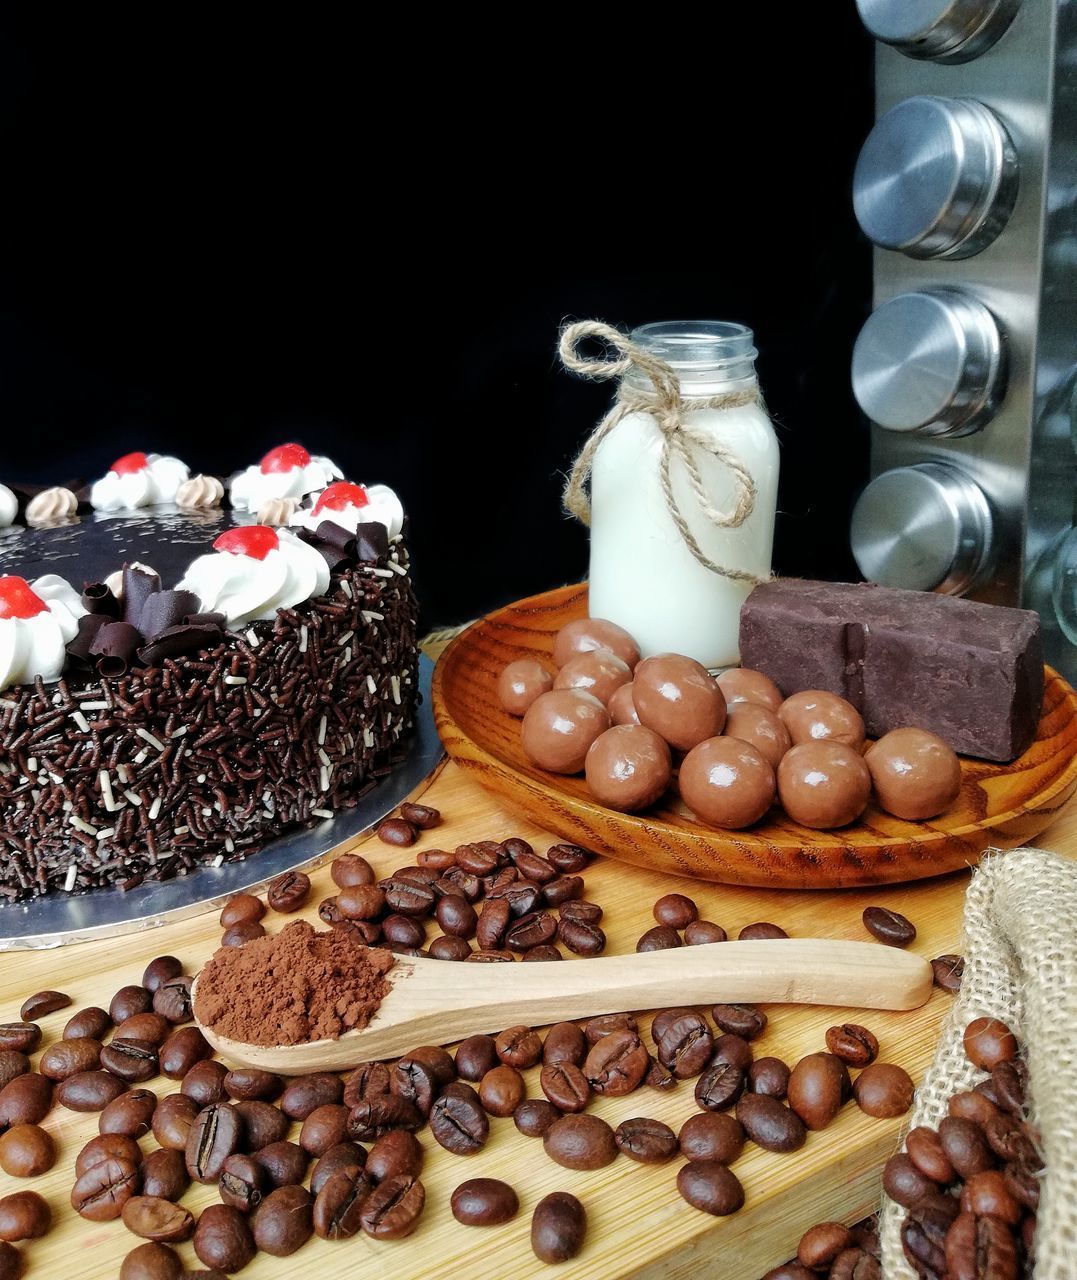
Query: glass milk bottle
[{"x": 644, "y": 575}]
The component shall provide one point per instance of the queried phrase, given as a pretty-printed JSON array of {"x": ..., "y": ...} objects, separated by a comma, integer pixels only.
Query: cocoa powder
[{"x": 297, "y": 986}]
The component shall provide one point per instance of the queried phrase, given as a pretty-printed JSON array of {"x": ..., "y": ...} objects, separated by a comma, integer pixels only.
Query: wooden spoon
[{"x": 437, "y": 1002}]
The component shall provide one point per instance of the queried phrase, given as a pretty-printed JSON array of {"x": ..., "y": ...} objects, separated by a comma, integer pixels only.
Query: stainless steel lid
[
  {"x": 925, "y": 527},
  {"x": 939, "y": 30},
  {"x": 936, "y": 178},
  {"x": 931, "y": 362}
]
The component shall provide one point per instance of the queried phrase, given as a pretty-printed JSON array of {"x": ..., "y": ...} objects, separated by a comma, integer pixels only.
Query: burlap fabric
[{"x": 1021, "y": 966}]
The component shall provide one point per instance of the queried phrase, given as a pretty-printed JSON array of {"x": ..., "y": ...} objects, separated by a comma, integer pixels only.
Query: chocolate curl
[
  {"x": 206, "y": 620},
  {"x": 89, "y": 625},
  {"x": 114, "y": 647},
  {"x": 184, "y": 638},
  {"x": 165, "y": 610},
  {"x": 332, "y": 556},
  {"x": 138, "y": 586},
  {"x": 371, "y": 541},
  {"x": 97, "y": 598},
  {"x": 337, "y": 536}
]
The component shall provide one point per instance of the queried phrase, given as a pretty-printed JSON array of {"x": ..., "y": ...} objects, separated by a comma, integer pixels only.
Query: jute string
[{"x": 668, "y": 408}]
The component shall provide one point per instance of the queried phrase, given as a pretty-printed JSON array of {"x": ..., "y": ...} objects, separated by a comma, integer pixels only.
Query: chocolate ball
[
  {"x": 813, "y": 715},
  {"x": 520, "y": 684},
  {"x": 916, "y": 774},
  {"x": 628, "y": 767},
  {"x": 823, "y": 784},
  {"x": 742, "y": 684},
  {"x": 678, "y": 698},
  {"x": 726, "y": 783},
  {"x": 560, "y": 726},
  {"x": 621, "y": 707},
  {"x": 585, "y": 634},
  {"x": 752, "y": 722},
  {"x": 599, "y": 672}
]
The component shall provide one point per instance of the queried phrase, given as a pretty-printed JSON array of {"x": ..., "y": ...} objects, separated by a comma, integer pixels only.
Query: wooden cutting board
[{"x": 638, "y": 1224}]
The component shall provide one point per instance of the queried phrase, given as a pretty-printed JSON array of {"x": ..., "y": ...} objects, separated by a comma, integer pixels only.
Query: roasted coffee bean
[
  {"x": 856, "y": 1264},
  {"x": 329, "y": 912},
  {"x": 924, "y": 1148},
  {"x": 132, "y": 1060},
  {"x": 479, "y": 861},
  {"x": 173, "y": 1119},
  {"x": 303, "y": 1094},
  {"x": 164, "y": 1174},
  {"x": 544, "y": 951},
  {"x": 905, "y": 1183},
  {"x": 853, "y": 1044},
  {"x": 685, "y": 1045},
  {"x": 393, "y": 1208},
  {"x": 662, "y": 937},
  {"x": 769, "y": 1076},
  {"x": 569, "y": 859},
  {"x": 41, "y": 1005},
  {"x": 965, "y": 1146},
  {"x": 760, "y": 931},
  {"x": 675, "y": 910},
  {"x": 558, "y": 1227},
  {"x": 492, "y": 923},
  {"x": 181, "y": 1051},
  {"x": 456, "y": 882},
  {"x": 710, "y": 1187},
  {"x": 205, "y": 1082},
  {"x": 351, "y": 868},
  {"x": 711, "y": 1136},
  {"x": 90, "y": 1024},
  {"x": 484, "y": 1202},
  {"x": 616, "y": 1064},
  {"x": 12, "y": 1064},
  {"x": 155, "y": 1219},
  {"x": 818, "y": 1085},
  {"x": 447, "y": 948},
  {"x": 403, "y": 931},
  {"x": 536, "y": 929},
  {"x": 159, "y": 970},
  {"x": 502, "y": 1089},
  {"x": 566, "y": 1086},
  {"x": 131, "y": 1114},
  {"x": 373, "y": 1116},
  {"x": 397, "y": 832},
  {"x": 66, "y": 1058},
  {"x": 1009, "y": 1139},
  {"x": 555, "y": 893},
  {"x": 240, "y": 909},
  {"x": 263, "y": 1124},
  {"x": 128, "y": 1001},
  {"x": 582, "y": 911},
  {"x": 646, "y": 1141},
  {"x": 24, "y": 1215},
  {"x": 743, "y": 1020},
  {"x": 889, "y": 926},
  {"x": 152, "y": 1262},
  {"x": 988, "y": 1193},
  {"x": 769, "y": 1124},
  {"x": 821, "y": 1244},
  {"x": 289, "y": 892},
  {"x": 534, "y": 1116},
  {"x": 580, "y": 1142},
  {"x": 1011, "y": 1086},
  {"x": 26, "y": 1151},
  {"x": 595, "y": 1029},
  {"x": 222, "y": 1239},
  {"x": 105, "y": 1188},
  {"x": 972, "y": 1106},
  {"x": 284, "y": 1162},
  {"x": 217, "y": 1132},
  {"x": 791, "y": 1271},
  {"x": 172, "y": 1000},
  {"x": 458, "y": 1121},
  {"x": 535, "y": 868},
  {"x": 702, "y": 932},
  {"x": 245, "y": 931},
  {"x": 407, "y": 898},
  {"x": 284, "y": 1221},
  {"x": 339, "y": 1203},
  {"x": 495, "y": 886},
  {"x": 325, "y": 1127},
  {"x": 515, "y": 848},
  {"x": 883, "y": 1090},
  {"x": 88, "y": 1090},
  {"x": 107, "y": 1146},
  {"x": 24, "y": 1037},
  {"x": 397, "y": 1153},
  {"x": 520, "y": 1047},
  {"x": 565, "y": 1042},
  {"x": 456, "y": 916},
  {"x": 25, "y": 1100},
  {"x": 144, "y": 1026},
  {"x": 719, "y": 1087},
  {"x": 361, "y": 902},
  {"x": 948, "y": 971},
  {"x": 988, "y": 1042},
  {"x": 980, "y": 1246},
  {"x": 414, "y": 1081},
  {"x": 733, "y": 1051},
  {"x": 368, "y": 1080},
  {"x": 1023, "y": 1185},
  {"x": 11, "y": 1263},
  {"x": 344, "y": 1156},
  {"x": 422, "y": 816}
]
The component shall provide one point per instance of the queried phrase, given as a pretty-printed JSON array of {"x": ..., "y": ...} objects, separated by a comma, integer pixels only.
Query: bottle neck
[{"x": 703, "y": 384}]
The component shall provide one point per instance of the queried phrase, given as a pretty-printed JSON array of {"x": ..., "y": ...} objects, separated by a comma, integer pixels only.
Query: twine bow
[{"x": 665, "y": 403}]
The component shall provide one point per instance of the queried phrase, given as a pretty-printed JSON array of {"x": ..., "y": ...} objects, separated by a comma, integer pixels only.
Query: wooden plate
[{"x": 999, "y": 805}]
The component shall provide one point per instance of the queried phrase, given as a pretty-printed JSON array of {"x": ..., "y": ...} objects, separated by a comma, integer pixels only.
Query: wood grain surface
[
  {"x": 999, "y": 805},
  {"x": 638, "y": 1225}
]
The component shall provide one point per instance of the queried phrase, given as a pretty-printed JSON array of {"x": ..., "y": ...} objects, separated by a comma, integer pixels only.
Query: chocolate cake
[{"x": 180, "y": 686}]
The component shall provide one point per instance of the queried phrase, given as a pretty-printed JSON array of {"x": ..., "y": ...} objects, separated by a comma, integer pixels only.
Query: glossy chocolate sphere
[
  {"x": 520, "y": 683},
  {"x": 621, "y": 707},
  {"x": 916, "y": 775},
  {"x": 814, "y": 715},
  {"x": 585, "y": 634},
  {"x": 751, "y": 722},
  {"x": 678, "y": 698},
  {"x": 560, "y": 726},
  {"x": 742, "y": 684},
  {"x": 726, "y": 783},
  {"x": 628, "y": 767},
  {"x": 823, "y": 784},
  {"x": 599, "y": 672}
]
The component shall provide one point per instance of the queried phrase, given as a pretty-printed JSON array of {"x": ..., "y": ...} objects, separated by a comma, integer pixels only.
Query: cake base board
[{"x": 60, "y": 919}]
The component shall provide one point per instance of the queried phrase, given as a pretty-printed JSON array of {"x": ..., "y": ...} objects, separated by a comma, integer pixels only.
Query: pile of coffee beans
[{"x": 836, "y": 1252}]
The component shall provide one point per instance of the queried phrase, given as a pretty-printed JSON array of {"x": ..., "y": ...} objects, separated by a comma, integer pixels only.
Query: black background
[{"x": 367, "y": 239}]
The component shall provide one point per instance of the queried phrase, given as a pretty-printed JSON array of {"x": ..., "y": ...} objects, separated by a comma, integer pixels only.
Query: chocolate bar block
[{"x": 970, "y": 672}]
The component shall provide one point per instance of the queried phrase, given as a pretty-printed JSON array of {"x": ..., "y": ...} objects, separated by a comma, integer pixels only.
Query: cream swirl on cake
[
  {"x": 350, "y": 505},
  {"x": 288, "y": 471},
  {"x": 37, "y": 621},
  {"x": 51, "y": 506},
  {"x": 9, "y": 506},
  {"x": 138, "y": 480},
  {"x": 255, "y": 571},
  {"x": 199, "y": 493}
]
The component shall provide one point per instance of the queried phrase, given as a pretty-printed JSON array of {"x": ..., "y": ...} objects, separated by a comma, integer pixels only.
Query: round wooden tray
[{"x": 999, "y": 805}]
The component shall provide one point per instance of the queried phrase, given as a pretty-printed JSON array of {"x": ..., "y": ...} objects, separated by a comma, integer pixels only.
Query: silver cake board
[{"x": 60, "y": 918}]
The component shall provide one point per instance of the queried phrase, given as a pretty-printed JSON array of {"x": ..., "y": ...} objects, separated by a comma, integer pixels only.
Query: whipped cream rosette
[
  {"x": 138, "y": 480},
  {"x": 288, "y": 471},
  {"x": 350, "y": 505},
  {"x": 254, "y": 571},
  {"x": 37, "y": 620},
  {"x": 9, "y": 506}
]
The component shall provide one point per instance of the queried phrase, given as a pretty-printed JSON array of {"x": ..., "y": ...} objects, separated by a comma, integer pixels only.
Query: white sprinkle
[
  {"x": 105, "y": 832},
  {"x": 321, "y": 730},
  {"x": 134, "y": 797},
  {"x": 235, "y": 679},
  {"x": 398, "y": 568},
  {"x": 257, "y": 712},
  {"x": 106, "y": 791},
  {"x": 155, "y": 808},
  {"x": 345, "y": 586},
  {"x": 397, "y": 537},
  {"x": 31, "y": 765},
  {"x": 303, "y": 638},
  {"x": 321, "y": 813},
  {"x": 325, "y": 778},
  {"x": 146, "y": 736},
  {"x": 323, "y": 757},
  {"x": 188, "y": 752},
  {"x": 368, "y": 738},
  {"x": 394, "y": 682},
  {"x": 201, "y": 778},
  {"x": 229, "y": 844},
  {"x": 56, "y": 778},
  {"x": 218, "y": 860},
  {"x": 206, "y": 813},
  {"x": 94, "y": 706},
  {"x": 347, "y": 654},
  {"x": 382, "y": 573},
  {"x": 122, "y": 774},
  {"x": 81, "y": 721},
  {"x": 252, "y": 638},
  {"x": 267, "y": 813},
  {"x": 370, "y": 615},
  {"x": 141, "y": 756},
  {"x": 69, "y": 879},
  {"x": 371, "y": 684},
  {"x": 11, "y": 706},
  {"x": 68, "y": 806},
  {"x": 267, "y": 798},
  {"x": 181, "y": 831},
  {"x": 178, "y": 733},
  {"x": 346, "y": 637},
  {"x": 218, "y": 806},
  {"x": 79, "y": 825},
  {"x": 36, "y": 794},
  {"x": 350, "y": 740}
]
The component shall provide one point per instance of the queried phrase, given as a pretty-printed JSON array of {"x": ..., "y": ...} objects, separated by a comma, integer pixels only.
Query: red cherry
[
  {"x": 19, "y": 600},
  {"x": 284, "y": 457},
  {"x": 129, "y": 463},
  {"x": 341, "y": 495},
  {"x": 254, "y": 540}
]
